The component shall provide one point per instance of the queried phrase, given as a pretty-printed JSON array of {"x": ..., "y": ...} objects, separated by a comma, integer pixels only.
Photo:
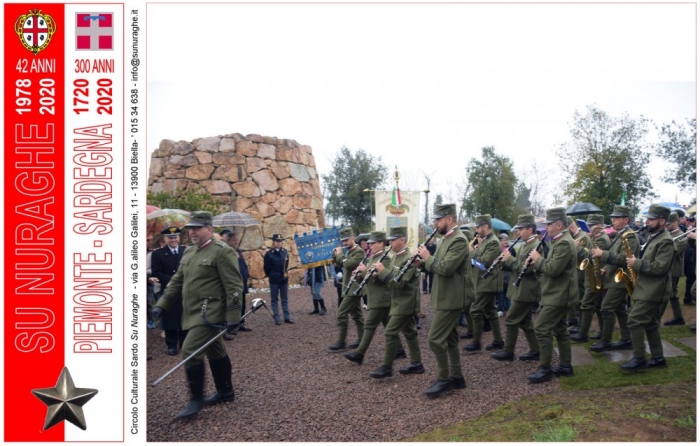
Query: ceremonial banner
[
  {"x": 399, "y": 208},
  {"x": 316, "y": 249},
  {"x": 64, "y": 198}
]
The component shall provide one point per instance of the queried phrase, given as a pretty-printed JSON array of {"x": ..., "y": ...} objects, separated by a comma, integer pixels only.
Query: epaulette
[{"x": 220, "y": 243}]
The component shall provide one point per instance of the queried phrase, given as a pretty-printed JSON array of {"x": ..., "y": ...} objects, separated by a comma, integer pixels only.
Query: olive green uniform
[
  {"x": 487, "y": 289},
  {"x": 206, "y": 273},
  {"x": 592, "y": 299},
  {"x": 522, "y": 297},
  {"x": 559, "y": 288},
  {"x": 614, "y": 302},
  {"x": 403, "y": 306},
  {"x": 469, "y": 289},
  {"x": 350, "y": 306},
  {"x": 677, "y": 272},
  {"x": 449, "y": 266},
  {"x": 651, "y": 289},
  {"x": 378, "y": 299}
]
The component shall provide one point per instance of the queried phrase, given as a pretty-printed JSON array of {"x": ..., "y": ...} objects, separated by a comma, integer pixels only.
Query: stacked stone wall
[{"x": 272, "y": 179}]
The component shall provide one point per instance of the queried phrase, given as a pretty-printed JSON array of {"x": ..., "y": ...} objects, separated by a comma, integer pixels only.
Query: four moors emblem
[{"x": 35, "y": 30}]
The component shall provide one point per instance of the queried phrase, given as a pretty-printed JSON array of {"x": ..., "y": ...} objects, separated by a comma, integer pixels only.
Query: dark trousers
[{"x": 175, "y": 338}]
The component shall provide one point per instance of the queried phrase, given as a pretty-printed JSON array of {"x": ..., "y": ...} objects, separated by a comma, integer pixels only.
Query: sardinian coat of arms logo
[{"x": 35, "y": 30}]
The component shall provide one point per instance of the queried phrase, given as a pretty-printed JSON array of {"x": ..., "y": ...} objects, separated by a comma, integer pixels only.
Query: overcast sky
[{"x": 423, "y": 86}]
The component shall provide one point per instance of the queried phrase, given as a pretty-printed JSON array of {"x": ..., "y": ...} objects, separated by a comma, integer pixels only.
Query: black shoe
[
  {"x": 354, "y": 357},
  {"x": 278, "y": 323},
  {"x": 503, "y": 356},
  {"x": 288, "y": 321},
  {"x": 244, "y": 328},
  {"x": 675, "y": 321},
  {"x": 191, "y": 409},
  {"x": 467, "y": 335},
  {"x": 541, "y": 375},
  {"x": 322, "y": 311},
  {"x": 338, "y": 345},
  {"x": 418, "y": 327},
  {"x": 149, "y": 357},
  {"x": 530, "y": 356},
  {"x": 688, "y": 302},
  {"x": 354, "y": 344},
  {"x": 195, "y": 379},
  {"x": 439, "y": 387},
  {"x": 563, "y": 370},
  {"x": 459, "y": 382},
  {"x": 600, "y": 346},
  {"x": 495, "y": 345},
  {"x": 228, "y": 337},
  {"x": 572, "y": 322},
  {"x": 412, "y": 369},
  {"x": 622, "y": 344},
  {"x": 579, "y": 337},
  {"x": 381, "y": 372},
  {"x": 172, "y": 351},
  {"x": 596, "y": 336},
  {"x": 473, "y": 347},
  {"x": 400, "y": 354},
  {"x": 634, "y": 365},
  {"x": 315, "y": 311},
  {"x": 657, "y": 363},
  {"x": 221, "y": 371}
]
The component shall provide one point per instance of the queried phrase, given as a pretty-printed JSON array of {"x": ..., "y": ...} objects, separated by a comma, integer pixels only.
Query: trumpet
[{"x": 684, "y": 235}]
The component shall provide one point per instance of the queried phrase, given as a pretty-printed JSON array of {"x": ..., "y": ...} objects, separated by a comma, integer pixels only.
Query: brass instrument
[
  {"x": 593, "y": 276},
  {"x": 630, "y": 278},
  {"x": 621, "y": 276},
  {"x": 685, "y": 234}
]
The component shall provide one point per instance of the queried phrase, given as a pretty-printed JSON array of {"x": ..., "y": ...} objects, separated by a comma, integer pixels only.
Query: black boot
[
  {"x": 221, "y": 371},
  {"x": 634, "y": 364},
  {"x": 503, "y": 355},
  {"x": 354, "y": 357},
  {"x": 315, "y": 308},
  {"x": 541, "y": 375},
  {"x": 338, "y": 345},
  {"x": 195, "y": 378},
  {"x": 323, "y": 308},
  {"x": 439, "y": 387}
]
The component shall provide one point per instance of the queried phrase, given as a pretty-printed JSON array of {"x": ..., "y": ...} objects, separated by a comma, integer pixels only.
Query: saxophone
[
  {"x": 592, "y": 269},
  {"x": 630, "y": 278}
]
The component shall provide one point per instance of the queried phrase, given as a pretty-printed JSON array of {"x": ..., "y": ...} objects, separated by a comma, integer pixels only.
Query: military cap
[
  {"x": 525, "y": 220},
  {"x": 621, "y": 211},
  {"x": 483, "y": 220},
  {"x": 555, "y": 214},
  {"x": 442, "y": 210},
  {"x": 399, "y": 231},
  {"x": 658, "y": 211},
  {"x": 277, "y": 237},
  {"x": 595, "y": 219},
  {"x": 377, "y": 236},
  {"x": 346, "y": 233},
  {"x": 672, "y": 217},
  {"x": 171, "y": 232},
  {"x": 570, "y": 221},
  {"x": 199, "y": 219},
  {"x": 364, "y": 236}
]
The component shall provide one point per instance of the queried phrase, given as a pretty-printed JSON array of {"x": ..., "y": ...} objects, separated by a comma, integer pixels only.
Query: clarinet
[
  {"x": 528, "y": 263},
  {"x": 412, "y": 259},
  {"x": 353, "y": 279},
  {"x": 370, "y": 271},
  {"x": 498, "y": 259}
]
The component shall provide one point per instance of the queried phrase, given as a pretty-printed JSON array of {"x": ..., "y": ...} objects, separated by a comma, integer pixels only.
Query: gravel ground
[{"x": 290, "y": 387}]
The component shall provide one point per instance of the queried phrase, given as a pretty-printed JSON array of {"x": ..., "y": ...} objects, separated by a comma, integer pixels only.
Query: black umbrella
[{"x": 583, "y": 209}]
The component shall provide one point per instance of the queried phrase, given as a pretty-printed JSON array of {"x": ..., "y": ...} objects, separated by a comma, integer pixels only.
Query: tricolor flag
[
  {"x": 622, "y": 202},
  {"x": 396, "y": 197}
]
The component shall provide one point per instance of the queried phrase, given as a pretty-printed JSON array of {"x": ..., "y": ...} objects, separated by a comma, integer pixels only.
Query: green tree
[
  {"x": 678, "y": 145},
  {"x": 493, "y": 188},
  {"x": 189, "y": 200},
  {"x": 352, "y": 173},
  {"x": 606, "y": 156}
]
